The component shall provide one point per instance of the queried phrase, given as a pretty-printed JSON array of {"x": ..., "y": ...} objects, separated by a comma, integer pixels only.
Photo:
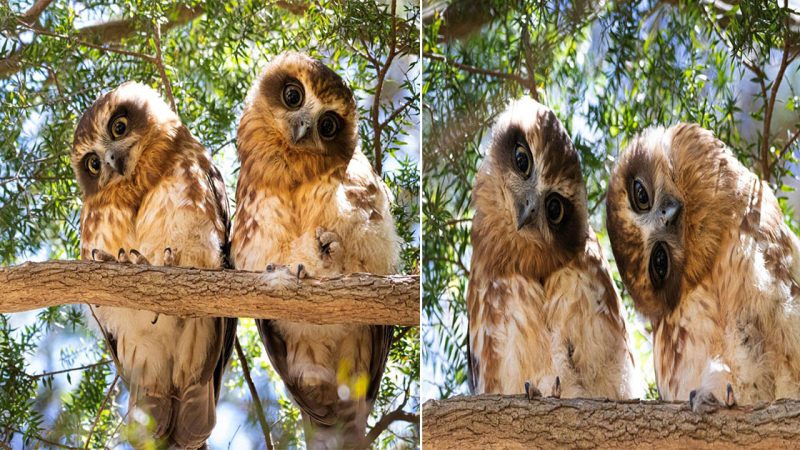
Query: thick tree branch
[
  {"x": 356, "y": 298},
  {"x": 32, "y": 14},
  {"x": 494, "y": 421},
  {"x": 382, "y": 425}
]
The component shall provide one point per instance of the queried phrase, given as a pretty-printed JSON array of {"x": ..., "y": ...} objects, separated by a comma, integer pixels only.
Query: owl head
[
  {"x": 300, "y": 110},
  {"x": 529, "y": 195},
  {"x": 115, "y": 132},
  {"x": 672, "y": 196}
]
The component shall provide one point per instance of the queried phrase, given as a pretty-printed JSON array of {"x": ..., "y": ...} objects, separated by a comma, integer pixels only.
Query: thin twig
[
  {"x": 159, "y": 62},
  {"x": 477, "y": 70},
  {"x": 120, "y": 51},
  {"x": 100, "y": 411},
  {"x": 376, "y": 99},
  {"x": 73, "y": 369},
  {"x": 398, "y": 111},
  {"x": 254, "y": 393},
  {"x": 44, "y": 441}
]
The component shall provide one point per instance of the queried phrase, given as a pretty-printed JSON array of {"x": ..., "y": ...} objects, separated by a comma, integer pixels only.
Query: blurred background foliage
[
  {"x": 609, "y": 70},
  {"x": 56, "y": 57}
]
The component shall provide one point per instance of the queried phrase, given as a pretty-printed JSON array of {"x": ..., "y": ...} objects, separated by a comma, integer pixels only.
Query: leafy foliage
[
  {"x": 609, "y": 70},
  {"x": 54, "y": 64}
]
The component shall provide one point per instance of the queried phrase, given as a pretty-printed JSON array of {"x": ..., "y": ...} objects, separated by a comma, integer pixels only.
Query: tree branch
[
  {"x": 376, "y": 99},
  {"x": 398, "y": 415},
  {"x": 71, "y": 369},
  {"x": 178, "y": 291},
  {"x": 92, "y": 35},
  {"x": 100, "y": 411},
  {"x": 525, "y": 82},
  {"x": 492, "y": 421},
  {"x": 32, "y": 14},
  {"x": 159, "y": 62},
  {"x": 254, "y": 393}
]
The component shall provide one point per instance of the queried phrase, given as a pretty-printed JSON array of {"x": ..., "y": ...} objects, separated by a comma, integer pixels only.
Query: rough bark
[
  {"x": 494, "y": 421},
  {"x": 356, "y": 298}
]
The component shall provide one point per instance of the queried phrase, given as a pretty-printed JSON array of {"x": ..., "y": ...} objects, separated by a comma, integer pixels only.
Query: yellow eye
[
  {"x": 93, "y": 164},
  {"x": 119, "y": 127}
]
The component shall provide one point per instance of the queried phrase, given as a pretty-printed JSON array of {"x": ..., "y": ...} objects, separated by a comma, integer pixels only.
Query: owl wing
[
  {"x": 229, "y": 324},
  {"x": 590, "y": 347}
]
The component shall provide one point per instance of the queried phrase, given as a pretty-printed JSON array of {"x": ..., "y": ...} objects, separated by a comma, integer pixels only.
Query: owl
[
  {"x": 703, "y": 249},
  {"x": 308, "y": 199},
  {"x": 544, "y": 313},
  {"x": 151, "y": 195}
]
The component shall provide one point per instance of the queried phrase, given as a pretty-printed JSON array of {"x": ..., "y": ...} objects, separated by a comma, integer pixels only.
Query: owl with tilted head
[
  {"x": 151, "y": 195},
  {"x": 310, "y": 204},
  {"x": 702, "y": 247},
  {"x": 544, "y": 314}
]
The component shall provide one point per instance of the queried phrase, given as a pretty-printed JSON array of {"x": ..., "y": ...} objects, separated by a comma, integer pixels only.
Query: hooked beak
[
  {"x": 117, "y": 161},
  {"x": 525, "y": 211},
  {"x": 669, "y": 210},
  {"x": 300, "y": 127}
]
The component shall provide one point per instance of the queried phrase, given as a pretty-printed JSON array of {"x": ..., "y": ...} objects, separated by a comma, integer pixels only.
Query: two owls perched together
[
  {"x": 699, "y": 241},
  {"x": 307, "y": 199}
]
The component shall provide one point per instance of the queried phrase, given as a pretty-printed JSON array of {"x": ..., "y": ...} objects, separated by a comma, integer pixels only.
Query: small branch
[
  {"x": 43, "y": 32},
  {"x": 159, "y": 62},
  {"x": 398, "y": 111},
  {"x": 254, "y": 394},
  {"x": 100, "y": 411},
  {"x": 376, "y": 100},
  {"x": 73, "y": 369},
  {"x": 32, "y": 14},
  {"x": 477, "y": 70},
  {"x": 190, "y": 292},
  {"x": 388, "y": 419},
  {"x": 45, "y": 441}
]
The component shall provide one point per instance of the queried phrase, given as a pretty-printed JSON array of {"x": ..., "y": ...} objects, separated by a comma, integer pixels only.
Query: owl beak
[
  {"x": 669, "y": 210},
  {"x": 525, "y": 212},
  {"x": 117, "y": 161},
  {"x": 300, "y": 127}
]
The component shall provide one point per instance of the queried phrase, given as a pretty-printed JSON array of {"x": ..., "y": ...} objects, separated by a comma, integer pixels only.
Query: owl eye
[
  {"x": 639, "y": 197},
  {"x": 92, "y": 163},
  {"x": 522, "y": 159},
  {"x": 118, "y": 127},
  {"x": 659, "y": 264},
  {"x": 328, "y": 126},
  {"x": 293, "y": 95},
  {"x": 554, "y": 207}
]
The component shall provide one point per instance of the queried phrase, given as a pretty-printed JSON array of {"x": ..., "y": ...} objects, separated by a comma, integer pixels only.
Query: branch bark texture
[
  {"x": 177, "y": 291},
  {"x": 494, "y": 421}
]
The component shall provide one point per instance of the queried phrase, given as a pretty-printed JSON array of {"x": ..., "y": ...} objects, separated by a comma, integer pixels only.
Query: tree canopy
[
  {"x": 57, "y": 386},
  {"x": 609, "y": 70}
]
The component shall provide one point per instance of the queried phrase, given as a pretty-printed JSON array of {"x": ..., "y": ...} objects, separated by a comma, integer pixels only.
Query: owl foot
[
  {"x": 138, "y": 258},
  {"x": 102, "y": 256},
  {"x": 531, "y": 391},
  {"x": 285, "y": 274},
  {"x": 330, "y": 247},
  {"x": 169, "y": 257},
  {"x": 704, "y": 401},
  {"x": 122, "y": 257},
  {"x": 557, "y": 388}
]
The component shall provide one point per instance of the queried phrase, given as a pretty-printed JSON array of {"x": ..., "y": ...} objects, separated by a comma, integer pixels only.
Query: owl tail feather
[
  {"x": 194, "y": 416},
  {"x": 348, "y": 432},
  {"x": 157, "y": 406}
]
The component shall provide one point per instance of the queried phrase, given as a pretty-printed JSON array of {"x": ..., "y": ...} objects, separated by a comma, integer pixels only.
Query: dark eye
[
  {"x": 639, "y": 197},
  {"x": 92, "y": 163},
  {"x": 119, "y": 127},
  {"x": 293, "y": 95},
  {"x": 659, "y": 264},
  {"x": 555, "y": 209},
  {"x": 522, "y": 158},
  {"x": 328, "y": 126}
]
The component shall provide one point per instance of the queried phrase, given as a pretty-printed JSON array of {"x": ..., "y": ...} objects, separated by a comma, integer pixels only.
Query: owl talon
[
  {"x": 138, "y": 258},
  {"x": 301, "y": 272},
  {"x": 155, "y": 319},
  {"x": 730, "y": 399},
  {"x": 557, "y": 388},
  {"x": 330, "y": 248},
  {"x": 703, "y": 402},
  {"x": 270, "y": 268},
  {"x": 122, "y": 257},
  {"x": 102, "y": 256},
  {"x": 531, "y": 391},
  {"x": 169, "y": 257}
]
